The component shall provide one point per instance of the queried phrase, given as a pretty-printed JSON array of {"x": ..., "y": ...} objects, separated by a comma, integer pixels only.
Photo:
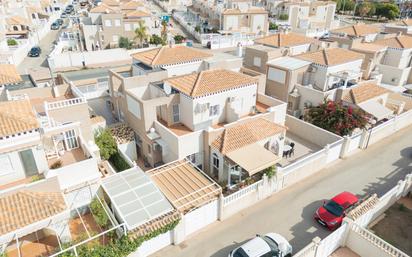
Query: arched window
[{"x": 15, "y": 28}]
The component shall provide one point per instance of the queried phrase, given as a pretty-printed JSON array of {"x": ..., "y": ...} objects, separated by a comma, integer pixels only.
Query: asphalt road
[
  {"x": 289, "y": 212},
  {"x": 41, "y": 61}
]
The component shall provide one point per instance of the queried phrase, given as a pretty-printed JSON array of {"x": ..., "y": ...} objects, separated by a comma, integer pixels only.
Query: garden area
[
  {"x": 109, "y": 150},
  {"x": 396, "y": 225}
]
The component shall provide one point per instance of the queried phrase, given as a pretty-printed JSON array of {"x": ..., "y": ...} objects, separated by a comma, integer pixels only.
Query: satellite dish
[{"x": 167, "y": 89}]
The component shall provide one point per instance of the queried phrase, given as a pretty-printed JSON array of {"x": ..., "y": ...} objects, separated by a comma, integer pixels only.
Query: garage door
[{"x": 201, "y": 217}]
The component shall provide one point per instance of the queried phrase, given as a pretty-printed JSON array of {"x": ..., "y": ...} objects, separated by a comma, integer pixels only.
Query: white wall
[
  {"x": 182, "y": 69},
  {"x": 393, "y": 75}
]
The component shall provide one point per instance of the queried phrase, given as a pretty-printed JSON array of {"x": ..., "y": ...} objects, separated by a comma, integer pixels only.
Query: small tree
[
  {"x": 124, "y": 42},
  {"x": 99, "y": 214},
  {"x": 141, "y": 32},
  {"x": 197, "y": 28},
  {"x": 387, "y": 10},
  {"x": 363, "y": 9},
  {"x": 283, "y": 17},
  {"x": 336, "y": 117},
  {"x": 163, "y": 33},
  {"x": 106, "y": 143},
  {"x": 179, "y": 39},
  {"x": 270, "y": 171},
  {"x": 11, "y": 42}
]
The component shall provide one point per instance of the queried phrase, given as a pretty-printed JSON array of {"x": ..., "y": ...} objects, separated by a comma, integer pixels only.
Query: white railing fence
[
  {"x": 242, "y": 193},
  {"x": 65, "y": 103}
]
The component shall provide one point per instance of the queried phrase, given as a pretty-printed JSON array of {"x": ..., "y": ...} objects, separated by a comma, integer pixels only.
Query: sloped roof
[
  {"x": 137, "y": 13},
  {"x": 368, "y": 47},
  {"x": 16, "y": 117},
  {"x": 17, "y": 20},
  {"x": 22, "y": 208},
  {"x": 246, "y": 133},
  {"x": 131, "y": 5},
  {"x": 358, "y": 30},
  {"x": 364, "y": 92},
  {"x": 167, "y": 55},
  {"x": 103, "y": 8},
  {"x": 331, "y": 56},
  {"x": 396, "y": 42},
  {"x": 284, "y": 40},
  {"x": 209, "y": 82},
  {"x": 9, "y": 74},
  {"x": 184, "y": 186},
  {"x": 111, "y": 2}
]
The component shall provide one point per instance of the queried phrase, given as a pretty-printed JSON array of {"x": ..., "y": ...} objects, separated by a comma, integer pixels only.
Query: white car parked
[{"x": 269, "y": 245}]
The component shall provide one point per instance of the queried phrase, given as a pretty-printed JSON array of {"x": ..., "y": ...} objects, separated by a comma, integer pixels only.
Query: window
[
  {"x": 257, "y": 61},
  {"x": 149, "y": 149},
  {"x": 214, "y": 110},
  {"x": 115, "y": 38},
  {"x": 117, "y": 23},
  {"x": 71, "y": 139},
  {"x": 108, "y": 23},
  {"x": 136, "y": 26},
  {"x": 127, "y": 27},
  {"x": 5, "y": 164},
  {"x": 276, "y": 75},
  {"x": 215, "y": 161},
  {"x": 176, "y": 113},
  {"x": 133, "y": 106}
]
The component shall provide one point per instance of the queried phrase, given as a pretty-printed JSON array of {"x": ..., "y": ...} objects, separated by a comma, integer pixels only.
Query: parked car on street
[
  {"x": 332, "y": 212},
  {"x": 35, "y": 51},
  {"x": 269, "y": 245},
  {"x": 64, "y": 15},
  {"x": 54, "y": 26}
]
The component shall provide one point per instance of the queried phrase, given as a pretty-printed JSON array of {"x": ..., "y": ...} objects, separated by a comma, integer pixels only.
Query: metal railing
[{"x": 66, "y": 103}]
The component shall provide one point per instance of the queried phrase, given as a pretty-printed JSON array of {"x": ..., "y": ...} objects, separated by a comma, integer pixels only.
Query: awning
[
  {"x": 253, "y": 158},
  {"x": 376, "y": 109}
]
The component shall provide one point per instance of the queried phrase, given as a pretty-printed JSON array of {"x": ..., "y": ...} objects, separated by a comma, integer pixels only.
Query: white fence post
[{"x": 316, "y": 241}]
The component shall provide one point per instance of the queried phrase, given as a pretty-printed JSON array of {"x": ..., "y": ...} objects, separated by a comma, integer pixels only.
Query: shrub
[
  {"x": 118, "y": 162},
  {"x": 336, "y": 118},
  {"x": 106, "y": 143},
  {"x": 283, "y": 17},
  {"x": 197, "y": 28},
  {"x": 34, "y": 179},
  {"x": 179, "y": 39},
  {"x": 270, "y": 171},
  {"x": 11, "y": 42},
  {"x": 273, "y": 26},
  {"x": 156, "y": 40},
  {"x": 56, "y": 165},
  {"x": 99, "y": 214},
  {"x": 124, "y": 42}
]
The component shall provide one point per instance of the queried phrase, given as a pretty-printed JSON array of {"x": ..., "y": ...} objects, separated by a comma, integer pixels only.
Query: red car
[{"x": 332, "y": 212}]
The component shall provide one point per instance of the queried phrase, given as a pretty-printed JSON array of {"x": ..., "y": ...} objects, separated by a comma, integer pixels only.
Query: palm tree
[{"x": 141, "y": 32}]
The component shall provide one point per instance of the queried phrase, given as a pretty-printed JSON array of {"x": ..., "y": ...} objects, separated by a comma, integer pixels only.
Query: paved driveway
[{"x": 290, "y": 211}]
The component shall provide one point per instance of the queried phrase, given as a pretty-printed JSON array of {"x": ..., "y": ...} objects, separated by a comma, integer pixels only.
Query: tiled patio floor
[
  {"x": 302, "y": 148},
  {"x": 179, "y": 129},
  {"x": 344, "y": 252},
  {"x": 78, "y": 231},
  {"x": 69, "y": 157},
  {"x": 44, "y": 247}
]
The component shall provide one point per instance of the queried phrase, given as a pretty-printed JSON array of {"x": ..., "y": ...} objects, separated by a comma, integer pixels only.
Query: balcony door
[
  {"x": 71, "y": 139},
  {"x": 29, "y": 163}
]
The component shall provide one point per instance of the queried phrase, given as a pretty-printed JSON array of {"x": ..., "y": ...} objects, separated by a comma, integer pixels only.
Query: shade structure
[
  {"x": 253, "y": 158},
  {"x": 376, "y": 109},
  {"x": 185, "y": 186},
  {"x": 135, "y": 197}
]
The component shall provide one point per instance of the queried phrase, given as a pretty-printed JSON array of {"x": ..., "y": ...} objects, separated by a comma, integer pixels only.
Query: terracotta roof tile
[
  {"x": 396, "y": 42},
  {"x": 209, "y": 82},
  {"x": 111, "y": 2},
  {"x": 22, "y": 208},
  {"x": 331, "y": 56},
  {"x": 243, "y": 134},
  {"x": 368, "y": 47},
  {"x": 137, "y": 13},
  {"x": 103, "y": 8},
  {"x": 131, "y": 5},
  {"x": 17, "y": 20},
  {"x": 9, "y": 74},
  {"x": 358, "y": 30},
  {"x": 167, "y": 55},
  {"x": 184, "y": 186},
  {"x": 363, "y": 92},
  {"x": 284, "y": 40},
  {"x": 16, "y": 117}
]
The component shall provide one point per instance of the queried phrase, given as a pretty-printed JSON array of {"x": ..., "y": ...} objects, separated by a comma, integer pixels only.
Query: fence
[
  {"x": 242, "y": 193},
  {"x": 65, "y": 103}
]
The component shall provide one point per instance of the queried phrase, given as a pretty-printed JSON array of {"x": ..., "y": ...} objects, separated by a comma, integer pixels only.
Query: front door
[{"x": 29, "y": 163}]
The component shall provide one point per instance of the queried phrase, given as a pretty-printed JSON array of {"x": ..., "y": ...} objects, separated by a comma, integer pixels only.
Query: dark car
[
  {"x": 63, "y": 15},
  {"x": 332, "y": 212},
  {"x": 35, "y": 51},
  {"x": 60, "y": 21},
  {"x": 54, "y": 26}
]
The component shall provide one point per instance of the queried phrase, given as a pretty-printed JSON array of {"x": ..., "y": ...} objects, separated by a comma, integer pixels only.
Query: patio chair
[
  {"x": 286, "y": 153},
  {"x": 292, "y": 145},
  {"x": 291, "y": 152}
]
